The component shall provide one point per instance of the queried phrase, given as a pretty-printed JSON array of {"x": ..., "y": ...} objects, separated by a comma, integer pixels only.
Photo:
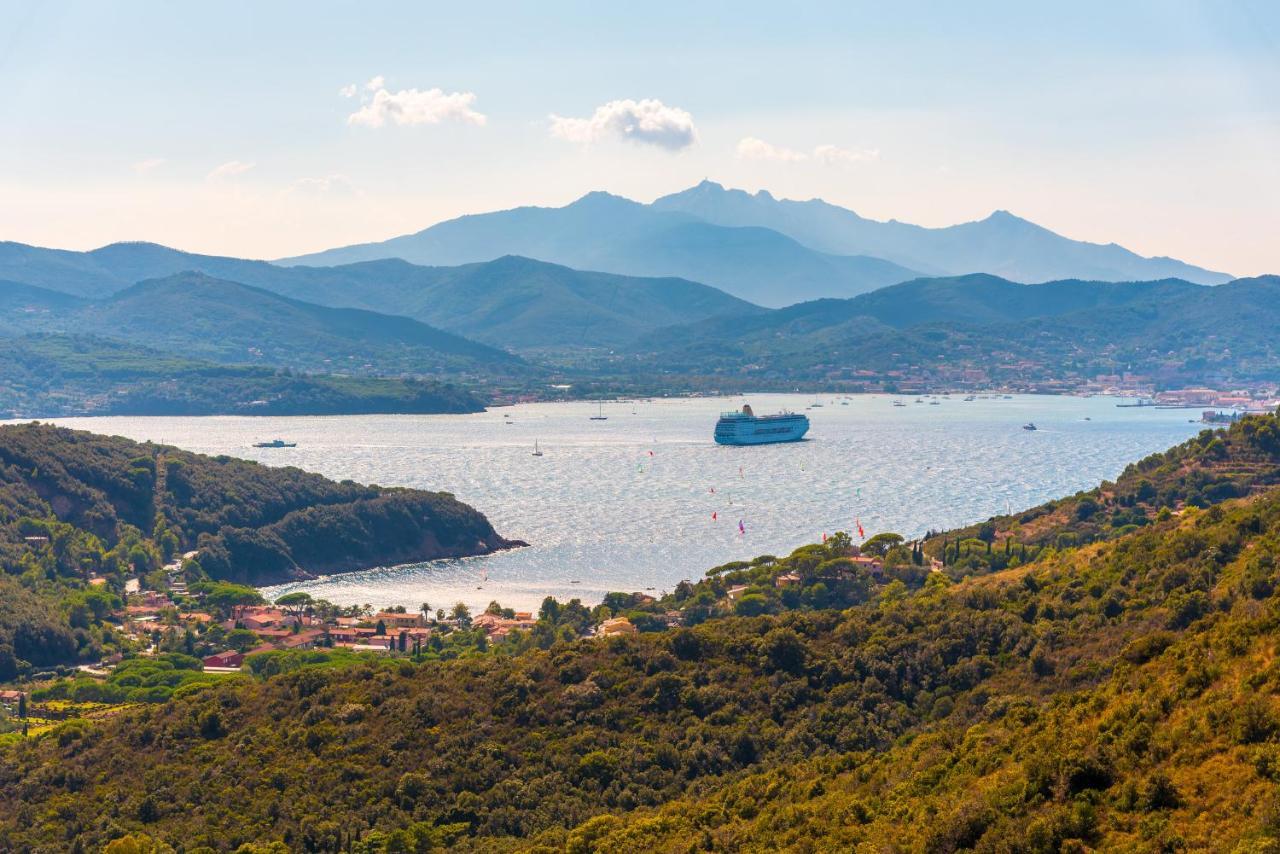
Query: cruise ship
[{"x": 747, "y": 428}]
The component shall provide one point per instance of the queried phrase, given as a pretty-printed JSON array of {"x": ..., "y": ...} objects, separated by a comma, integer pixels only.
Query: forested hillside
[
  {"x": 1217, "y": 465},
  {"x": 251, "y": 522},
  {"x": 200, "y": 316},
  {"x": 59, "y": 375},
  {"x": 1116, "y": 696},
  {"x": 509, "y": 301},
  {"x": 1069, "y": 330},
  {"x": 75, "y": 506}
]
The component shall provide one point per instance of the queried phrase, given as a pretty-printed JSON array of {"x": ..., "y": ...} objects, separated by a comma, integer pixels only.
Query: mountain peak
[{"x": 602, "y": 197}]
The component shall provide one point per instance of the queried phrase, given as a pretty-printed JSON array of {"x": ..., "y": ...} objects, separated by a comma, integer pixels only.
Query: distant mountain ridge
[
  {"x": 1187, "y": 331},
  {"x": 604, "y": 232},
  {"x": 1002, "y": 244},
  {"x": 793, "y": 250},
  {"x": 199, "y": 316},
  {"x": 510, "y": 302}
]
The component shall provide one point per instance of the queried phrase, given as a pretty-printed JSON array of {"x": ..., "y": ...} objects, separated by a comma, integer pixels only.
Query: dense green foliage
[
  {"x": 135, "y": 680},
  {"x": 74, "y": 506},
  {"x": 1215, "y": 466},
  {"x": 53, "y": 375},
  {"x": 33, "y": 630},
  {"x": 250, "y": 522},
  {"x": 1121, "y": 695}
]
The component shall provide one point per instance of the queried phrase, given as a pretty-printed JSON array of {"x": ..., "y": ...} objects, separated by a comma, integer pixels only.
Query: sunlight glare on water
[{"x": 626, "y": 503}]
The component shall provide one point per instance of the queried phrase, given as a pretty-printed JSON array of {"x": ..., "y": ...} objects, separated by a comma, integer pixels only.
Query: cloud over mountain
[
  {"x": 833, "y": 155},
  {"x": 648, "y": 121},
  {"x": 753, "y": 148}
]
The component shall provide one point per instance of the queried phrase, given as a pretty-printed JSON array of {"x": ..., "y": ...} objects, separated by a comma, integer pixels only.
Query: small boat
[
  {"x": 275, "y": 443},
  {"x": 935, "y": 403},
  {"x": 900, "y": 403},
  {"x": 537, "y": 452},
  {"x": 600, "y": 416},
  {"x": 1029, "y": 426}
]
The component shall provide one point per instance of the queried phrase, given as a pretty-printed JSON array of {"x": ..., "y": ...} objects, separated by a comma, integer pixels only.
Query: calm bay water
[{"x": 627, "y": 503}]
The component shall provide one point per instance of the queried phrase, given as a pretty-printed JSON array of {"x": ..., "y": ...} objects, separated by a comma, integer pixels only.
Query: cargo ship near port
[{"x": 747, "y": 428}]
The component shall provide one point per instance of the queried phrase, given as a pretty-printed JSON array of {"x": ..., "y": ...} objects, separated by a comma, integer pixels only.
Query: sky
[{"x": 273, "y": 129}]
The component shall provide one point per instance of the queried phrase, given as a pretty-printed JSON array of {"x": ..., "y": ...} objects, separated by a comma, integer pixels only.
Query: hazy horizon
[{"x": 273, "y": 131}]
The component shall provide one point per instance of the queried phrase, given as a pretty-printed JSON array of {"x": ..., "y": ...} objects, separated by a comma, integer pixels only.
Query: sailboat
[
  {"x": 537, "y": 452},
  {"x": 600, "y": 416}
]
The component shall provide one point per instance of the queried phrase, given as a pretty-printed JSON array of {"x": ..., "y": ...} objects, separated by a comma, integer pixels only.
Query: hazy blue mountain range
[
  {"x": 769, "y": 251},
  {"x": 609, "y": 233},
  {"x": 203, "y": 317},
  {"x": 1002, "y": 244},
  {"x": 987, "y": 321},
  {"x": 510, "y": 302},
  {"x": 109, "y": 269}
]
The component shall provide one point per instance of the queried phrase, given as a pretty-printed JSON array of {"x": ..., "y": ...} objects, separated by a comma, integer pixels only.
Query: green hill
[
  {"x": 24, "y": 306},
  {"x": 251, "y": 523},
  {"x": 1206, "y": 334},
  {"x": 510, "y": 302},
  {"x": 1117, "y": 696},
  {"x": 208, "y": 318},
  {"x": 514, "y": 302},
  {"x": 48, "y": 376},
  {"x": 1218, "y": 465},
  {"x": 525, "y": 304}
]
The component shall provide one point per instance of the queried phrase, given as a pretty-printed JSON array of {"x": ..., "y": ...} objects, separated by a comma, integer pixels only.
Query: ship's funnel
[{"x": 746, "y": 409}]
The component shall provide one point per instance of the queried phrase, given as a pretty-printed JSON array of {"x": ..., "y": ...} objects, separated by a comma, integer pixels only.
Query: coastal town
[{"x": 182, "y": 632}]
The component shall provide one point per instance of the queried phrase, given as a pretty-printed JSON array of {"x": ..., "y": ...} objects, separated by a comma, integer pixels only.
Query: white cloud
[
  {"x": 325, "y": 185},
  {"x": 348, "y": 91},
  {"x": 835, "y": 156},
  {"x": 414, "y": 107},
  {"x": 142, "y": 167},
  {"x": 751, "y": 148},
  {"x": 230, "y": 169},
  {"x": 648, "y": 121}
]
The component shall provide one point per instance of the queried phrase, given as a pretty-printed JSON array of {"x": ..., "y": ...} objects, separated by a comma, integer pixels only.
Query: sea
[{"x": 645, "y": 498}]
